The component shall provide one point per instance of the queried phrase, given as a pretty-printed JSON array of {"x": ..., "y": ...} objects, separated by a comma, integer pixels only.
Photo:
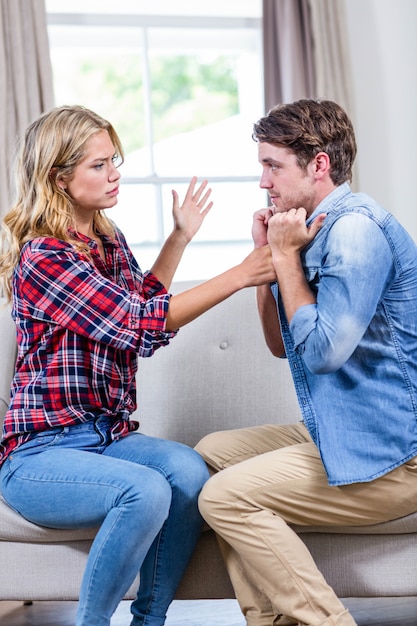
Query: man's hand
[
  {"x": 288, "y": 234},
  {"x": 260, "y": 226}
]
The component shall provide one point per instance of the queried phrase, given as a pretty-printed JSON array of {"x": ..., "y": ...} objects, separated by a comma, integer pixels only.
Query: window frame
[{"x": 144, "y": 22}]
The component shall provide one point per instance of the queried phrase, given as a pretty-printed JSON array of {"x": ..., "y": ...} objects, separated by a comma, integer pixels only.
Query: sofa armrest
[{"x": 7, "y": 356}]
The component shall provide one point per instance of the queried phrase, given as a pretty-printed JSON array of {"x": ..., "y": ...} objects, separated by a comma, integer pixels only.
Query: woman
[{"x": 84, "y": 312}]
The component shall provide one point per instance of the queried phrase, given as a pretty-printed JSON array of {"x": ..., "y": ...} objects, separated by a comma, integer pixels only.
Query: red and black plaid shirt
[{"x": 80, "y": 329}]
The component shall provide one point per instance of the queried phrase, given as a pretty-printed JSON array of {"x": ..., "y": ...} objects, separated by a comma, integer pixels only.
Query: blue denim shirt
[{"x": 353, "y": 354}]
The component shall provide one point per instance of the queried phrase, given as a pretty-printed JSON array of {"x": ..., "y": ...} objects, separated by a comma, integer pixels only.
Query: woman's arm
[{"x": 255, "y": 269}]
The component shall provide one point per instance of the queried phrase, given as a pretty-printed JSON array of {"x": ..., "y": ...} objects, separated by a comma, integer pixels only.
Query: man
[{"x": 344, "y": 312}]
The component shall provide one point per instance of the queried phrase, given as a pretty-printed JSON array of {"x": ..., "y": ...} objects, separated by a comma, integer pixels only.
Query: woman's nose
[{"x": 114, "y": 173}]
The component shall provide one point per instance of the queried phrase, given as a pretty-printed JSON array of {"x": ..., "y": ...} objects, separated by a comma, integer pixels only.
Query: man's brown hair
[{"x": 308, "y": 127}]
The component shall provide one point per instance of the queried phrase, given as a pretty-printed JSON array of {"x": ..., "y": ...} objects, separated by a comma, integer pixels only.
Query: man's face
[{"x": 287, "y": 184}]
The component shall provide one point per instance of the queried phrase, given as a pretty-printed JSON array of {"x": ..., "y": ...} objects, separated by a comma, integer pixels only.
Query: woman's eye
[{"x": 98, "y": 166}]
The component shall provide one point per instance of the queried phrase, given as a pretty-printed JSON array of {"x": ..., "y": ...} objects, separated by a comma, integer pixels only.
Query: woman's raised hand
[{"x": 190, "y": 215}]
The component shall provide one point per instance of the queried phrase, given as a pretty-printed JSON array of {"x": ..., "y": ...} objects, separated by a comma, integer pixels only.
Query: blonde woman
[{"x": 84, "y": 312}]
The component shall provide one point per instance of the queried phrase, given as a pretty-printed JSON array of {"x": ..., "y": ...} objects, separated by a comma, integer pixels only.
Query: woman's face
[{"x": 94, "y": 184}]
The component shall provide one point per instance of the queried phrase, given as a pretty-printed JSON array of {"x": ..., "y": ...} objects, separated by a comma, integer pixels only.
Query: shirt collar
[
  {"x": 330, "y": 201},
  {"x": 105, "y": 238}
]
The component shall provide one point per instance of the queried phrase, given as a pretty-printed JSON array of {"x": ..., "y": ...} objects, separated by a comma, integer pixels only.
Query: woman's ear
[{"x": 58, "y": 181}]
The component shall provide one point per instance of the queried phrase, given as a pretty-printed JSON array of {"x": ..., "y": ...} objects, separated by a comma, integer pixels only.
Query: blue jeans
[{"x": 141, "y": 491}]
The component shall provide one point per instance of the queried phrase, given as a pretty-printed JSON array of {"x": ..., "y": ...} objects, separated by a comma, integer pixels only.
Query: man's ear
[{"x": 321, "y": 164}]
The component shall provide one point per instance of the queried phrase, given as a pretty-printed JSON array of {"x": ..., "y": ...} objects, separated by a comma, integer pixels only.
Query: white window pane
[
  {"x": 210, "y": 97},
  {"x": 230, "y": 219},
  {"x": 136, "y": 215},
  {"x": 183, "y": 92},
  {"x": 225, "y": 149},
  {"x": 107, "y": 79},
  {"x": 200, "y": 261},
  {"x": 248, "y": 8}
]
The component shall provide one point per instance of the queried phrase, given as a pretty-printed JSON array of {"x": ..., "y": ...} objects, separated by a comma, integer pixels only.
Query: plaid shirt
[{"x": 80, "y": 329}]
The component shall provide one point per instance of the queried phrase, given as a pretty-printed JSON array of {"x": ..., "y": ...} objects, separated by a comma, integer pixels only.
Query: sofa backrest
[{"x": 217, "y": 373}]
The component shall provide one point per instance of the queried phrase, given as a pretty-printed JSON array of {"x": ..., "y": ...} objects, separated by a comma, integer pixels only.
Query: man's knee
[
  {"x": 208, "y": 446},
  {"x": 214, "y": 498}
]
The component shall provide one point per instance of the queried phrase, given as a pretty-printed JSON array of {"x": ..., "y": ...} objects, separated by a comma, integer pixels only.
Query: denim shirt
[{"x": 353, "y": 354}]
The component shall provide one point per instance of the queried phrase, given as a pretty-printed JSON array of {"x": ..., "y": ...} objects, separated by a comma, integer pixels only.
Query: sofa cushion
[
  {"x": 14, "y": 527},
  {"x": 402, "y": 525}
]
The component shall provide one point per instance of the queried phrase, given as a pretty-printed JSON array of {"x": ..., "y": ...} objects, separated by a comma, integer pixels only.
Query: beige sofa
[{"x": 216, "y": 374}]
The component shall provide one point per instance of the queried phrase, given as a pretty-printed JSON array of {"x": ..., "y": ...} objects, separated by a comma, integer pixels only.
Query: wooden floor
[{"x": 367, "y": 612}]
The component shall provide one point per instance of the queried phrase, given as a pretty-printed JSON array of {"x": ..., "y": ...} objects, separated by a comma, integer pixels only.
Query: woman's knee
[
  {"x": 187, "y": 469},
  {"x": 198, "y": 473},
  {"x": 148, "y": 492}
]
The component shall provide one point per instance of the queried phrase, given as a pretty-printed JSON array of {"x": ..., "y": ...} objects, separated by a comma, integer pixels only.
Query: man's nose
[{"x": 265, "y": 182}]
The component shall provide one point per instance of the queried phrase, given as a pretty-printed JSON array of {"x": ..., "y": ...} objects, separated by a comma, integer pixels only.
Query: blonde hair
[{"x": 52, "y": 147}]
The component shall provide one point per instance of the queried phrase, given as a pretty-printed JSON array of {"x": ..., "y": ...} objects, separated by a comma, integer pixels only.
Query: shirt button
[{"x": 224, "y": 345}]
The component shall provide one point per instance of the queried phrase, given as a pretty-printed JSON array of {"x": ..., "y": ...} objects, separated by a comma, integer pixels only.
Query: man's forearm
[
  {"x": 268, "y": 315},
  {"x": 293, "y": 286}
]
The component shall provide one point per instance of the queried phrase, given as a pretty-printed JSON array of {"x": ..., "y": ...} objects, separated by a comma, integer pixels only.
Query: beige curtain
[
  {"x": 331, "y": 52},
  {"x": 306, "y": 51},
  {"x": 288, "y": 51},
  {"x": 26, "y": 88},
  {"x": 331, "y": 59}
]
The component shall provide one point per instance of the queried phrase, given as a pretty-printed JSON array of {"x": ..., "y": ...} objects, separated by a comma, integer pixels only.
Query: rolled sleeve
[
  {"x": 155, "y": 310},
  {"x": 356, "y": 268},
  {"x": 302, "y": 324}
]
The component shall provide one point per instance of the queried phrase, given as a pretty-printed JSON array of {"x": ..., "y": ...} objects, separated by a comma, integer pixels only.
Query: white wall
[{"x": 383, "y": 45}]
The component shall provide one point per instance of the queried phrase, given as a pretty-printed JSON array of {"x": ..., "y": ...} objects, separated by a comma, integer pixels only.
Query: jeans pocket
[{"x": 38, "y": 443}]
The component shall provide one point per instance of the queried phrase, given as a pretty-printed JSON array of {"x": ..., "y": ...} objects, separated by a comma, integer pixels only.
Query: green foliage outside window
[{"x": 187, "y": 92}]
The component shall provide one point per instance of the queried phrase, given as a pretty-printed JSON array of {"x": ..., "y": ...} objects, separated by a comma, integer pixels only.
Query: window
[{"x": 182, "y": 85}]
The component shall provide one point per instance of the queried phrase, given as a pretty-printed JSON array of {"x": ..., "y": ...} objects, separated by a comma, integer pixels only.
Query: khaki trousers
[{"x": 273, "y": 476}]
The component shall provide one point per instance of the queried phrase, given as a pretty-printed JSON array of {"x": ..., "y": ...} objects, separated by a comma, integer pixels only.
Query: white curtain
[{"x": 26, "y": 88}]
